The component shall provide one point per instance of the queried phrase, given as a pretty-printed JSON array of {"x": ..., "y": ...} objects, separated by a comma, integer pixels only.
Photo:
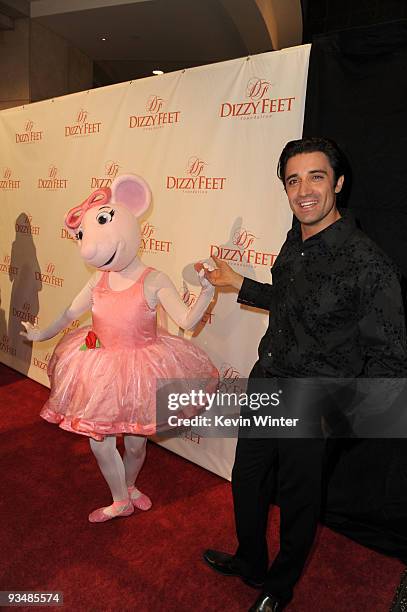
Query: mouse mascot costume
[{"x": 103, "y": 377}]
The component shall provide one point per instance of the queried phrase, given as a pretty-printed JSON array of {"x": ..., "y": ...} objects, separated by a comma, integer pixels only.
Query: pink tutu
[{"x": 112, "y": 388}]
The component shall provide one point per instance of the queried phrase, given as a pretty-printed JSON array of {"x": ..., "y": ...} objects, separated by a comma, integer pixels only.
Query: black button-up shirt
[{"x": 335, "y": 307}]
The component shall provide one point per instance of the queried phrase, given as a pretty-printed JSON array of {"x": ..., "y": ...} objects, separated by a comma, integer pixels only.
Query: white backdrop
[{"x": 207, "y": 140}]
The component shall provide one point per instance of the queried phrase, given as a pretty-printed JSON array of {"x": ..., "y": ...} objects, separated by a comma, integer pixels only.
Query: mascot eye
[
  {"x": 105, "y": 217},
  {"x": 79, "y": 235}
]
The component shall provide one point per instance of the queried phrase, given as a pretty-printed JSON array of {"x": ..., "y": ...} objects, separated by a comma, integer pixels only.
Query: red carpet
[{"x": 149, "y": 561}]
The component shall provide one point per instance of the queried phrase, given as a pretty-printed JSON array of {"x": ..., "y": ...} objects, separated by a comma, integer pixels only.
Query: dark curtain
[{"x": 357, "y": 95}]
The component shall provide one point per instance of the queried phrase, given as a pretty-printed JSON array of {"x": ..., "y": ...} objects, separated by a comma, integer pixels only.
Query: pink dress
[{"x": 112, "y": 389}]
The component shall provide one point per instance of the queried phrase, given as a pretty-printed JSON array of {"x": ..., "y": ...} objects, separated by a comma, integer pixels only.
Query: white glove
[
  {"x": 200, "y": 269},
  {"x": 31, "y": 332}
]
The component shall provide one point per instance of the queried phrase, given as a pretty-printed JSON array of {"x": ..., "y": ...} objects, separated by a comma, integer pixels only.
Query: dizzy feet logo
[
  {"x": 242, "y": 250},
  {"x": 155, "y": 115},
  {"x": 25, "y": 225},
  {"x": 48, "y": 277},
  {"x": 111, "y": 170},
  {"x": 83, "y": 127},
  {"x": 7, "y": 268},
  {"x": 258, "y": 103},
  {"x": 29, "y": 135},
  {"x": 8, "y": 183},
  {"x": 24, "y": 314},
  {"x": 52, "y": 182},
  {"x": 150, "y": 243},
  {"x": 6, "y": 347},
  {"x": 195, "y": 180},
  {"x": 42, "y": 364}
]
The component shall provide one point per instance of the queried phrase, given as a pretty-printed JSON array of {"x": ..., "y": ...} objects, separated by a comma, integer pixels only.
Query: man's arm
[
  {"x": 223, "y": 275},
  {"x": 251, "y": 292},
  {"x": 382, "y": 323}
]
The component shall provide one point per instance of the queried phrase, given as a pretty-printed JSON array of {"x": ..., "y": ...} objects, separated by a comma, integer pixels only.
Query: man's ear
[{"x": 339, "y": 184}]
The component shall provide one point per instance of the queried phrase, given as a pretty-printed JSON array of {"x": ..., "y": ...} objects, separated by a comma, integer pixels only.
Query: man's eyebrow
[{"x": 309, "y": 172}]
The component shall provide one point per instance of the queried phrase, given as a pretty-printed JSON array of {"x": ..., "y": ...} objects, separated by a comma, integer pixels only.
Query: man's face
[{"x": 311, "y": 190}]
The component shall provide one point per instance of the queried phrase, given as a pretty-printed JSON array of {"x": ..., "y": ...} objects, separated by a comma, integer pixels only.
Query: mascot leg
[
  {"x": 134, "y": 455},
  {"x": 112, "y": 468}
]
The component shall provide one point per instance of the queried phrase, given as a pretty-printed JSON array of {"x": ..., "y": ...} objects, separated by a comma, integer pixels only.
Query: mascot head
[{"x": 106, "y": 223}]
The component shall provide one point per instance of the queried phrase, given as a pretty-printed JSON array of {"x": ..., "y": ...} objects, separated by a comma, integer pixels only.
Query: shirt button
[
  {"x": 279, "y": 331},
  {"x": 291, "y": 280},
  {"x": 302, "y": 254},
  {"x": 268, "y": 354}
]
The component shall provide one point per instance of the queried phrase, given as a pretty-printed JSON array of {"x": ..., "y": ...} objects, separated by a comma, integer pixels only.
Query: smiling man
[
  {"x": 311, "y": 186},
  {"x": 335, "y": 312}
]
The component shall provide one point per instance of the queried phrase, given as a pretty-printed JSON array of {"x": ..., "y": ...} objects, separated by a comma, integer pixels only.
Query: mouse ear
[{"x": 131, "y": 191}]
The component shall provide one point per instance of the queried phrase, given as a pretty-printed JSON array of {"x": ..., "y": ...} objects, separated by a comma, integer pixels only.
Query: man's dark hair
[{"x": 313, "y": 144}]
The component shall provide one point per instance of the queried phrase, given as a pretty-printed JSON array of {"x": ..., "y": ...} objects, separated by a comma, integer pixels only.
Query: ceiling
[{"x": 143, "y": 35}]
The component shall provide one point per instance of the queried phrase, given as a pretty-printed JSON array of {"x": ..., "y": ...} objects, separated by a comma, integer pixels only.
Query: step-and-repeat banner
[{"x": 207, "y": 140}]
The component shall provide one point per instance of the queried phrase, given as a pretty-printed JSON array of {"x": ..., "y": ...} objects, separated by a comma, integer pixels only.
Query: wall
[
  {"x": 37, "y": 64},
  {"x": 15, "y": 65}
]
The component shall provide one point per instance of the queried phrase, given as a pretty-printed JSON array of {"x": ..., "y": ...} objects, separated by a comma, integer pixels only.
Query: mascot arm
[
  {"x": 80, "y": 304},
  {"x": 161, "y": 290}
]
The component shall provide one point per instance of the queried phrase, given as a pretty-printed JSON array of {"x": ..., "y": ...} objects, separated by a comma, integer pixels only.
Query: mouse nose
[{"x": 88, "y": 249}]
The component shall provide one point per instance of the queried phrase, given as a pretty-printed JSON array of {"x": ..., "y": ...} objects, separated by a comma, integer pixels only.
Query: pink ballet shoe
[
  {"x": 142, "y": 502},
  {"x": 99, "y": 516}
]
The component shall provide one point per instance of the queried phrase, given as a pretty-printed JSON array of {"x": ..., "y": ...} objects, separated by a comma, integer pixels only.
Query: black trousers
[{"x": 295, "y": 466}]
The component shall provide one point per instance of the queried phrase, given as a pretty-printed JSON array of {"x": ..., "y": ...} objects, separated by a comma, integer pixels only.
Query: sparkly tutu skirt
[{"x": 102, "y": 391}]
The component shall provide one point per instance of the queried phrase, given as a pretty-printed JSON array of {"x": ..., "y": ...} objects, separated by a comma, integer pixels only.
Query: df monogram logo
[
  {"x": 243, "y": 239},
  {"x": 82, "y": 116},
  {"x": 147, "y": 230},
  {"x": 195, "y": 166},
  {"x": 150, "y": 243},
  {"x": 154, "y": 104},
  {"x": 229, "y": 374},
  {"x": 187, "y": 297},
  {"x": 112, "y": 169},
  {"x": 257, "y": 88}
]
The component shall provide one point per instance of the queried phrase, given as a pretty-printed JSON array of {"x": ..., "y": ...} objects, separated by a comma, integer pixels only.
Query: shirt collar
[{"x": 333, "y": 236}]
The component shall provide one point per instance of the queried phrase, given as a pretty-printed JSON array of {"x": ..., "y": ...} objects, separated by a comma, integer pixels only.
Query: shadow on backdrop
[
  {"x": 3, "y": 335},
  {"x": 24, "y": 303}
]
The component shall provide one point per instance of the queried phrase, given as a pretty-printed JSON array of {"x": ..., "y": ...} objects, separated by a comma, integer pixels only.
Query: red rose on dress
[{"x": 91, "y": 340}]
